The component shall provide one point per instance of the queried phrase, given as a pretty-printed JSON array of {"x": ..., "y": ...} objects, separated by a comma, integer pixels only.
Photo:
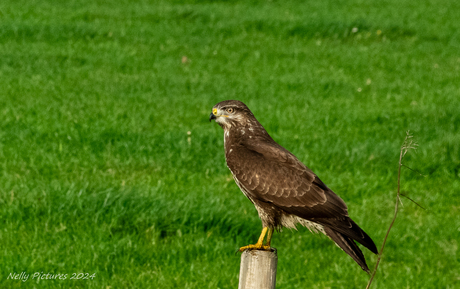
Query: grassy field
[{"x": 108, "y": 163}]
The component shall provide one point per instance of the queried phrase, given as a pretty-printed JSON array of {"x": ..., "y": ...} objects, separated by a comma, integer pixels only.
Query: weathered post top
[{"x": 258, "y": 269}]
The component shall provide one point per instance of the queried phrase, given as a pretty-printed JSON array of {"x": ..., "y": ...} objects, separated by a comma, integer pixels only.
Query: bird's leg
[
  {"x": 259, "y": 245},
  {"x": 269, "y": 237}
]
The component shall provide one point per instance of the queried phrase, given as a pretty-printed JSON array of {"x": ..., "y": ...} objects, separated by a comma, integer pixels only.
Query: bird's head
[{"x": 231, "y": 113}]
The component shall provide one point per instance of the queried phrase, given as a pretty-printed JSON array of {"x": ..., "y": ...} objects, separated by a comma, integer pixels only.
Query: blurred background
[{"x": 109, "y": 165}]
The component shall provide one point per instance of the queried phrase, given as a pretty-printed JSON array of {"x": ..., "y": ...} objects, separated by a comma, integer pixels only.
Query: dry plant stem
[{"x": 408, "y": 144}]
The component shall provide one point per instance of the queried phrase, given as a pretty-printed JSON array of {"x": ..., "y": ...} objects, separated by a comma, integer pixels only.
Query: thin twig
[
  {"x": 412, "y": 201},
  {"x": 413, "y": 170},
  {"x": 407, "y": 144}
]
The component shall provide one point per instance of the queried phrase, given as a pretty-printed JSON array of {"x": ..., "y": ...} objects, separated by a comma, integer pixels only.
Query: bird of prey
[{"x": 283, "y": 190}]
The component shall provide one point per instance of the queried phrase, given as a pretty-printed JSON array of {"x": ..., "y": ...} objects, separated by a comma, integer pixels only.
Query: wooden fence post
[{"x": 258, "y": 269}]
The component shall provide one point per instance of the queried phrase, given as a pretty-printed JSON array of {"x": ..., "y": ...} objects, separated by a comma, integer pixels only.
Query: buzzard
[{"x": 284, "y": 191}]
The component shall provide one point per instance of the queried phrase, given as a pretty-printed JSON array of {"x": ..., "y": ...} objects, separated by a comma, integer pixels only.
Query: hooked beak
[{"x": 212, "y": 116}]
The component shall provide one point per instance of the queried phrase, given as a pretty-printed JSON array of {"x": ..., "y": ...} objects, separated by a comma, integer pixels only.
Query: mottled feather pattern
[{"x": 283, "y": 190}]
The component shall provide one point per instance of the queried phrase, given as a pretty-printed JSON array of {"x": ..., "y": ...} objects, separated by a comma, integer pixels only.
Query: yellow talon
[
  {"x": 255, "y": 247},
  {"x": 259, "y": 245}
]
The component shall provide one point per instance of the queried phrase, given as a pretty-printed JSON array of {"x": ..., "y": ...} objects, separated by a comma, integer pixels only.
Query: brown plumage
[{"x": 284, "y": 191}]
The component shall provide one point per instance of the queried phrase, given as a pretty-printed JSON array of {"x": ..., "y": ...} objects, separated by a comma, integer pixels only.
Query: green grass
[{"x": 108, "y": 163}]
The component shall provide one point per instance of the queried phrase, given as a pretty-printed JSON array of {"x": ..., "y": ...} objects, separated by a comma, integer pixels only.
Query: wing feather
[{"x": 288, "y": 184}]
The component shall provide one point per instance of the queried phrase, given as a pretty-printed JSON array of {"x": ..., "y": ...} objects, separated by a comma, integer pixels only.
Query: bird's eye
[{"x": 230, "y": 110}]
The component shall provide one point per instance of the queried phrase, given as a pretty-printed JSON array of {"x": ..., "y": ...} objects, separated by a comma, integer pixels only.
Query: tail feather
[
  {"x": 351, "y": 230},
  {"x": 349, "y": 246}
]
